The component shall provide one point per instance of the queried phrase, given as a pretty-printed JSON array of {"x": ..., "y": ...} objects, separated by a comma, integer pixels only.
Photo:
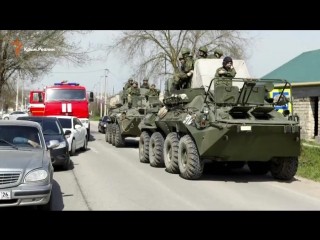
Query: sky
[{"x": 271, "y": 49}]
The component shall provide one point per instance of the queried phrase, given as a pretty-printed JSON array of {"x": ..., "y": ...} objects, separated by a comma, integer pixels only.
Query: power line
[{"x": 81, "y": 72}]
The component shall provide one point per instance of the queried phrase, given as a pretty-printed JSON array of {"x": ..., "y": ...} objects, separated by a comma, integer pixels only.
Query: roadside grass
[
  {"x": 94, "y": 118},
  {"x": 309, "y": 163}
]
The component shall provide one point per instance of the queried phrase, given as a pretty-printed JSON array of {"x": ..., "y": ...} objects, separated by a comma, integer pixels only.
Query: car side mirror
[
  {"x": 67, "y": 132},
  {"x": 53, "y": 144},
  {"x": 77, "y": 126}
]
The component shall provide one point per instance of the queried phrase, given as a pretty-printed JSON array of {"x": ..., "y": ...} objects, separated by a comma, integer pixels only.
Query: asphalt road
[{"x": 109, "y": 178}]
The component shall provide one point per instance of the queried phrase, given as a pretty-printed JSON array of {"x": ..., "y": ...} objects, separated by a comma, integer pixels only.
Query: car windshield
[
  {"x": 19, "y": 137},
  {"x": 65, "y": 122},
  {"x": 65, "y": 94},
  {"x": 49, "y": 126},
  {"x": 105, "y": 118}
]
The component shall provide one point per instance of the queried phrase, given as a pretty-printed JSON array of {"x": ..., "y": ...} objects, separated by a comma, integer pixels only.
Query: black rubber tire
[
  {"x": 236, "y": 165},
  {"x": 109, "y": 135},
  {"x": 88, "y": 134},
  {"x": 85, "y": 144},
  {"x": 170, "y": 153},
  {"x": 144, "y": 147},
  {"x": 286, "y": 169},
  {"x": 156, "y": 150},
  {"x": 192, "y": 167},
  {"x": 119, "y": 140},
  {"x": 73, "y": 148},
  {"x": 113, "y": 135},
  {"x": 66, "y": 165},
  {"x": 259, "y": 168},
  {"x": 106, "y": 134}
]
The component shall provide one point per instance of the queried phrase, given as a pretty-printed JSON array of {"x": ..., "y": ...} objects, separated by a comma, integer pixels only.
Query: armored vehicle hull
[{"x": 229, "y": 121}]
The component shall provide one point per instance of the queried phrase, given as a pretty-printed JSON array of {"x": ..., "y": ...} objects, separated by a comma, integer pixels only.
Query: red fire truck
[{"x": 63, "y": 99}]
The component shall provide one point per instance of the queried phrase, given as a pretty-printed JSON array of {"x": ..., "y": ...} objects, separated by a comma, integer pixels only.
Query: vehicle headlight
[
  {"x": 62, "y": 144},
  {"x": 105, "y": 125},
  {"x": 36, "y": 176}
]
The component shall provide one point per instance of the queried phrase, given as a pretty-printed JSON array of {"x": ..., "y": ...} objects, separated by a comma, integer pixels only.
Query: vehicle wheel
[
  {"x": 88, "y": 134},
  {"x": 236, "y": 165},
  {"x": 190, "y": 164},
  {"x": 109, "y": 137},
  {"x": 259, "y": 168},
  {"x": 118, "y": 138},
  {"x": 66, "y": 165},
  {"x": 85, "y": 144},
  {"x": 73, "y": 148},
  {"x": 156, "y": 150},
  {"x": 47, "y": 206},
  {"x": 170, "y": 152},
  {"x": 144, "y": 147},
  {"x": 113, "y": 135},
  {"x": 106, "y": 133},
  {"x": 284, "y": 168},
  {"x": 6, "y": 118}
]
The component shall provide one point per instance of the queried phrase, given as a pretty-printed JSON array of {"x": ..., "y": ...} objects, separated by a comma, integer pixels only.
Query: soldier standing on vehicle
[
  {"x": 183, "y": 80},
  {"x": 226, "y": 71},
  {"x": 125, "y": 88},
  {"x": 217, "y": 54},
  {"x": 145, "y": 84},
  {"x": 181, "y": 60},
  {"x": 133, "y": 91},
  {"x": 203, "y": 52},
  {"x": 153, "y": 92}
]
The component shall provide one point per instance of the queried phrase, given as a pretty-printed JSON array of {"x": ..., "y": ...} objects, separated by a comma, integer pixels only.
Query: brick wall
[{"x": 304, "y": 107}]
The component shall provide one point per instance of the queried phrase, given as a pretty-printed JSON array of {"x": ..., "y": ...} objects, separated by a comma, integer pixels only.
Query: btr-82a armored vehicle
[
  {"x": 124, "y": 120},
  {"x": 230, "y": 121}
]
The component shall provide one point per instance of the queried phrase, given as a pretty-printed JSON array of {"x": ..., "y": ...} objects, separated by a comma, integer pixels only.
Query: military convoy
[{"x": 228, "y": 121}]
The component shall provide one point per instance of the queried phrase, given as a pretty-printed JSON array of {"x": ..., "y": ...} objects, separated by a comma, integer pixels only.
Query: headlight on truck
[{"x": 36, "y": 176}]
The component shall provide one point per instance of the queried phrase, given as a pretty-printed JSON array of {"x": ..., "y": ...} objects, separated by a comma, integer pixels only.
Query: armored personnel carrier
[
  {"x": 230, "y": 121},
  {"x": 124, "y": 120}
]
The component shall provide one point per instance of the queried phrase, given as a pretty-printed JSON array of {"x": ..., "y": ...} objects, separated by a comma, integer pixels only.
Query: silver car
[{"x": 26, "y": 171}]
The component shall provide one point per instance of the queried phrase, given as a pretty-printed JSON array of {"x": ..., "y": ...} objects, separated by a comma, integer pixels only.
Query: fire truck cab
[{"x": 36, "y": 106}]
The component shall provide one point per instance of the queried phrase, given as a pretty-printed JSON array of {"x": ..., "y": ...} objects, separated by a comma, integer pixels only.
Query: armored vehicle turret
[{"x": 226, "y": 120}]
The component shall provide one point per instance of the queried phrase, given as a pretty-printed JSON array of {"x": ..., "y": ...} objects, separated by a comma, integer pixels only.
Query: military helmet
[
  {"x": 146, "y": 79},
  {"x": 180, "y": 57},
  {"x": 130, "y": 79},
  {"x": 185, "y": 51},
  {"x": 219, "y": 51},
  {"x": 135, "y": 82},
  {"x": 203, "y": 49},
  {"x": 153, "y": 85}
]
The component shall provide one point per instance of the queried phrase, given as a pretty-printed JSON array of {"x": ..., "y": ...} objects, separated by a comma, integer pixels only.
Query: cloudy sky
[{"x": 271, "y": 50}]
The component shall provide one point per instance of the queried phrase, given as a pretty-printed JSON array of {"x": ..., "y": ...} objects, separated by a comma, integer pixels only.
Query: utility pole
[
  {"x": 105, "y": 91},
  {"x": 17, "y": 96},
  {"x": 100, "y": 97},
  {"x": 22, "y": 93}
]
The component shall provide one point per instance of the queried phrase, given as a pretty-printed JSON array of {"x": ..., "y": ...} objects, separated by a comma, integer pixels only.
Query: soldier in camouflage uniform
[
  {"x": 125, "y": 88},
  {"x": 217, "y": 54},
  {"x": 203, "y": 52},
  {"x": 133, "y": 91},
  {"x": 145, "y": 84},
  {"x": 226, "y": 71},
  {"x": 183, "y": 79},
  {"x": 181, "y": 60},
  {"x": 153, "y": 92}
]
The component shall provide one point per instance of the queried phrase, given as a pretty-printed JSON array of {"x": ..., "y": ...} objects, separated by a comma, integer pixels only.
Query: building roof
[{"x": 302, "y": 69}]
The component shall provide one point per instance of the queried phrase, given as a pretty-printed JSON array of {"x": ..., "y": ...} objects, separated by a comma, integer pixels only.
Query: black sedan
[
  {"x": 102, "y": 124},
  {"x": 52, "y": 130}
]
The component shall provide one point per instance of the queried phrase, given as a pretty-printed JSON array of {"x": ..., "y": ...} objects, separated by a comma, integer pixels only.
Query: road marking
[{"x": 93, "y": 150}]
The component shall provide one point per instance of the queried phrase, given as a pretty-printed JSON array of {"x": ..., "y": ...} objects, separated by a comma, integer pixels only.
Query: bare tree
[
  {"x": 155, "y": 53},
  {"x": 31, "y": 54}
]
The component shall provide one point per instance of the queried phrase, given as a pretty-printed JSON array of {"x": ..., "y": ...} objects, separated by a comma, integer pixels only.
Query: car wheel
[
  {"x": 66, "y": 165},
  {"x": 6, "y": 118},
  {"x": 85, "y": 144},
  {"x": 47, "y": 206},
  {"x": 73, "y": 148}
]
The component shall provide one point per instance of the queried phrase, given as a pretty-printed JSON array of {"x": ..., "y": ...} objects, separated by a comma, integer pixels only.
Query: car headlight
[
  {"x": 36, "y": 176},
  {"x": 105, "y": 125},
  {"x": 62, "y": 144}
]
